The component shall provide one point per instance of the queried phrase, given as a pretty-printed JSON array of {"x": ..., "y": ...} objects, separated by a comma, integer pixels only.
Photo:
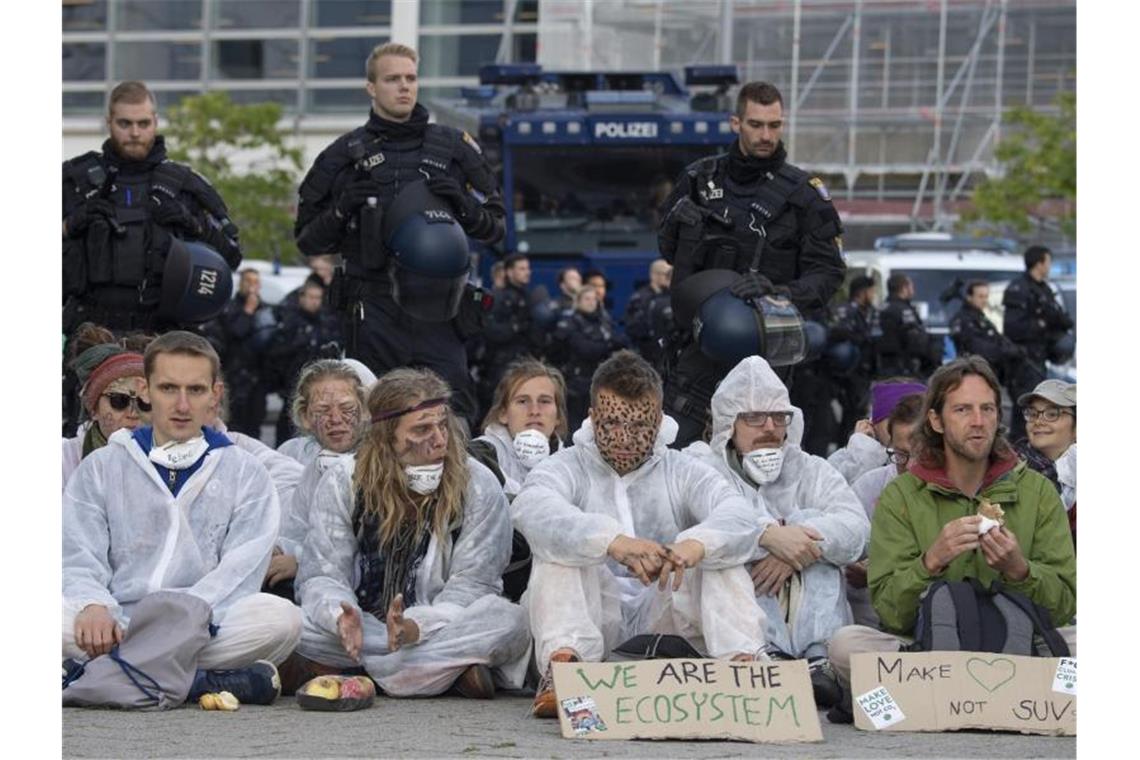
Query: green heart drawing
[{"x": 991, "y": 675}]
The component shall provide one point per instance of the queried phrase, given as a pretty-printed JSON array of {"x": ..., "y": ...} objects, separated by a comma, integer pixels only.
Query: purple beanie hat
[{"x": 885, "y": 397}]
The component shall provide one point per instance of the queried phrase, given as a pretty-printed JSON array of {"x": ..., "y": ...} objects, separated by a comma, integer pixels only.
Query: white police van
[{"x": 934, "y": 261}]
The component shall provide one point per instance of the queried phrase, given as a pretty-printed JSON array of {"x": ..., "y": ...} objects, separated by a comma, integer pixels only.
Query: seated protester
[
  {"x": 305, "y": 447},
  {"x": 1050, "y": 412},
  {"x": 525, "y": 424},
  {"x": 812, "y": 524},
  {"x": 619, "y": 510},
  {"x": 867, "y": 487},
  {"x": 177, "y": 507},
  {"x": 925, "y": 527},
  {"x": 112, "y": 379},
  {"x": 403, "y": 561},
  {"x": 329, "y": 401},
  {"x": 866, "y": 449}
]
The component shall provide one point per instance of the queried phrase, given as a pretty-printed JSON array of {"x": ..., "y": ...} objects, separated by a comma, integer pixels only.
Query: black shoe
[
  {"x": 824, "y": 685},
  {"x": 258, "y": 684}
]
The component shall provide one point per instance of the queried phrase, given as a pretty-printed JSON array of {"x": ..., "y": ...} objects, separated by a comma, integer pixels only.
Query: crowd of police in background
[{"x": 853, "y": 341}]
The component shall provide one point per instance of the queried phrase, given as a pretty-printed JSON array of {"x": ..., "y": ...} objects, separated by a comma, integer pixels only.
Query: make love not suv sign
[
  {"x": 949, "y": 691},
  {"x": 687, "y": 699}
]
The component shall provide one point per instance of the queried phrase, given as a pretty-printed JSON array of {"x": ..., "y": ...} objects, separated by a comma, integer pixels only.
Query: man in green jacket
[{"x": 926, "y": 527}]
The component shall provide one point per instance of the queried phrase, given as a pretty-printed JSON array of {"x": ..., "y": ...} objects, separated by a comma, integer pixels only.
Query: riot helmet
[
  {"x": 196, "y": 283},
  {"x": 728, "y": 329},
  {"x": 427, "y": 254}
]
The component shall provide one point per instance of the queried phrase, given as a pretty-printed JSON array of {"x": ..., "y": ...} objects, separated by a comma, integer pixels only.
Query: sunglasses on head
[{"x": 120, "y": 401}]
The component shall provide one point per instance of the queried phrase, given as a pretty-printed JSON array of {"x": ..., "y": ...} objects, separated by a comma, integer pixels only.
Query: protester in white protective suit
[
  {"x": 867, "y": 487},
  {"x": 111, "y": 380},
  {"x": 402, "y": 564},
  {"x": 329, "y": 401},
  {"x": 618, "y": 510},
  {"x": 175, "y": 507},
  {"x": 527, "y": 420},
  {"x": 525, "y": 424},
  {"x": 866, "y": 449},
  {"x": 306, "y": 447},
  {"x": 821, "y": 526}
]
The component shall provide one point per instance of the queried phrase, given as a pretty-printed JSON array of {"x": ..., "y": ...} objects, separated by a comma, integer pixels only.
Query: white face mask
[
  {"x": 763, "y": 465},
  {"x": 326, "y": 459},
  {"x": 179, "y": 456},
  {"x": 424, "y": 478},
  {"x": 531, "y": 446}
]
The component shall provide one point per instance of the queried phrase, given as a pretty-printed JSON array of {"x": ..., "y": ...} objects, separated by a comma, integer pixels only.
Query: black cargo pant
[{"x": 387, "y": 338}]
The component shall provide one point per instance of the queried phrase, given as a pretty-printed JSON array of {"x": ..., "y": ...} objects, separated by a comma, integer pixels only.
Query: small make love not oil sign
[{"x": 949, "y": 691}]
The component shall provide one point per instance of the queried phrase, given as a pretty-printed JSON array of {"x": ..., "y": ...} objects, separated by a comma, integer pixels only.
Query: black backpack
[{"x": 965, "y": 616}]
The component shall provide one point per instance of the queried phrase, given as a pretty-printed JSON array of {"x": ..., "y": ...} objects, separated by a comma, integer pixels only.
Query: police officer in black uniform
[
  {"x": 649, "y": 313},
  {"x": 510, "y": 331},
  {"x": 974, "y": 333},
  {"x": 854, "y": 323},
  {"x": 343, "y": 200},
  {"x": 1035, "y": 321},
  {"x": 750, "y": 211},
  {"x": 905, "y": 348},
  {"x": 121, "y": 208}
]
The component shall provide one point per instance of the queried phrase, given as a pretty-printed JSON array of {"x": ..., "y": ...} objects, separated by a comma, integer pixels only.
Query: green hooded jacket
[{"x": 911, "y": 512}]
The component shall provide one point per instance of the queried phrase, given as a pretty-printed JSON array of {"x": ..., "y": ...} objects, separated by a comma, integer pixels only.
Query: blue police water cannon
[
  {"x": 196, "y": 283},
  {"x": 721, "y": 76}
]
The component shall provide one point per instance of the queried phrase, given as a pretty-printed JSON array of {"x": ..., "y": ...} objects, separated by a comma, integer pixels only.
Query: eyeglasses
[
  {"x": 757, "y": 419},
  {"x": 120, "y": 401},
  {"x": 898, "y": 457},
  {"x": 1049, "y": 414}
]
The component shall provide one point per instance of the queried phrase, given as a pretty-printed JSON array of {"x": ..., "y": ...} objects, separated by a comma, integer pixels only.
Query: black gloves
[
  {"x": 172, "y": 213},
  {"x": 752, "y": 285},
  {"x": 355, "y": 195},
  {"x": 82, "y": 216},
  {"x": 446, "y": 187},
  {"x": 685, "y": 211}
]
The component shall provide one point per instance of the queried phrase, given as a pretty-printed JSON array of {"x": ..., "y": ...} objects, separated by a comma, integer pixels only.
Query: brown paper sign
[
  {"x": 687, "y": 699},
  {"x": 949, "y": 691}
]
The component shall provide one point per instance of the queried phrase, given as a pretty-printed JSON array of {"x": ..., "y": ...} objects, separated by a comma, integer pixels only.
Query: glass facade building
[{"x": 307, "y": 55}]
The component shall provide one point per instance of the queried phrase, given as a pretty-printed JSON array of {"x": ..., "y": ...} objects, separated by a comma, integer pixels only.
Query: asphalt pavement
[{"x": 455, "y": 727}]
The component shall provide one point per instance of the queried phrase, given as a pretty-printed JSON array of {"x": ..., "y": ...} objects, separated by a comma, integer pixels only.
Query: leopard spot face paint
[{"x": 625, "y": 429}]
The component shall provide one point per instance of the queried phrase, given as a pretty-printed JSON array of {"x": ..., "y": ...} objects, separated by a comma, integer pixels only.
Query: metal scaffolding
[{"x": 898, "y": 103}]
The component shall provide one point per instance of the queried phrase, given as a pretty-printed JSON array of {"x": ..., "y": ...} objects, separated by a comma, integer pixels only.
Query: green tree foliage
[
  {"x": 1039, "y": 186},
  {"x": 207, "y": 131}
]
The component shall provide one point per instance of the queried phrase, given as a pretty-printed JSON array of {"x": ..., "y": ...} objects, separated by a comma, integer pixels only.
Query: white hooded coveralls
[
  {"x": 463, "y": 620},
  {"x": 571, "y": 508},
  {"x": 861, "y": 455},
  {"x": 808, "y": 491},
  {"x": 126, "y": 536}
]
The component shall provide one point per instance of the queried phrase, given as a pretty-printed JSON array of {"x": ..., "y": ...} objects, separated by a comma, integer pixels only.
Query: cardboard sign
[
  {"x": 949, "y": 691},
  {"x": 687, "y": 699}
]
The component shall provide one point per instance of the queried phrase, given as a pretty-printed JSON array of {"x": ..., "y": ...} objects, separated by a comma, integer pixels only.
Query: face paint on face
[
  {"x": 109, "y": 419},
  {"x": 421, "y": 437},
  {"x": 334, "y": 414},
  {"x": 625, "y": 429}
]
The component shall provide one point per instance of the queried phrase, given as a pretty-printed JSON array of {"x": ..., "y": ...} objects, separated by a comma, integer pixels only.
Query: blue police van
[{"x": 586, "y": 158}]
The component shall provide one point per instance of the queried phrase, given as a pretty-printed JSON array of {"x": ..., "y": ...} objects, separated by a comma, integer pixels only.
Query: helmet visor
[
  {"x": 428, "y": 299},
  {"x": 783, "y": 342}
]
